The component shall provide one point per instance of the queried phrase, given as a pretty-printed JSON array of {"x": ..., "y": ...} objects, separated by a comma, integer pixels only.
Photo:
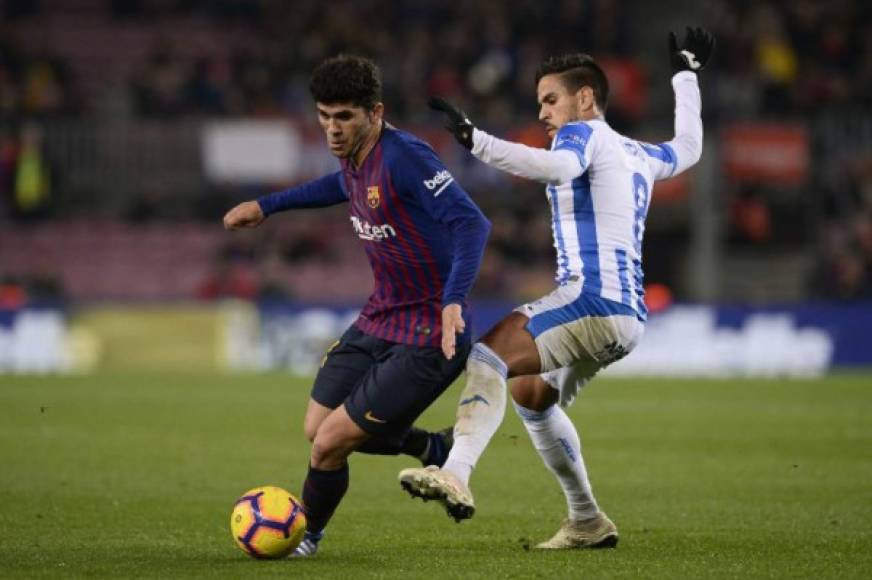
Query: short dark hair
[
  {"x": 346, "y": 79},
  {"x": 578, "y": 70}
]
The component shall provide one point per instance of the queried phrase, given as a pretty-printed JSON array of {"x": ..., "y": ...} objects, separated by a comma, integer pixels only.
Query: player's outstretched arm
[
  {"x": 515, "y": 158},
  {"x": 687, "y": 59},
  {"x": 323, "y": 192}
]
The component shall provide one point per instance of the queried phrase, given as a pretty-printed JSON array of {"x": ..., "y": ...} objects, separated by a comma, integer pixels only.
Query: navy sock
[
  {"x": 322, "y": 492},
  {"x": 413, "y": 442}
]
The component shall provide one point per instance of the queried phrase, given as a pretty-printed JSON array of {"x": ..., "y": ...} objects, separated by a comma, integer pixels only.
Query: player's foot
[
  {"x": 599, "y": 532},
  {"x": 434, "y": 483},
  {"x": 439, "y": 447},
  {"x": 308, "y": 547}
]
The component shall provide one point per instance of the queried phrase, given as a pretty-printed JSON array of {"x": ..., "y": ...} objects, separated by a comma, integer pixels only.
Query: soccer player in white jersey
[{"x": 599, "y": 186}]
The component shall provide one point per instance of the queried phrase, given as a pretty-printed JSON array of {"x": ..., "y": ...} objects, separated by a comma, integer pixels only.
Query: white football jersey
[
  {"x": 598, "y": 218},
  {"x": 599, "y": 206}
]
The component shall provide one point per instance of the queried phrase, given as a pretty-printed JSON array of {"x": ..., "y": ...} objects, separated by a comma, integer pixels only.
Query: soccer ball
[{"x": 267, "y": 522}]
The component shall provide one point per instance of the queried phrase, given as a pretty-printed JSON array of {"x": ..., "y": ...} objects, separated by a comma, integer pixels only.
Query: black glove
[
  {"x": 458, "y": 124},
  {"x": 694, "y": 52}
]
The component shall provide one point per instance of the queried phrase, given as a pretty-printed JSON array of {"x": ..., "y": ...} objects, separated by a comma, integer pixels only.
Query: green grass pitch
[{"x": 134, "y": 476}]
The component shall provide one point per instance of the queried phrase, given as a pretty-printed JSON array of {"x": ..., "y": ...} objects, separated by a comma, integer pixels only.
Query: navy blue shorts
[{"x": 385, "y": 386}]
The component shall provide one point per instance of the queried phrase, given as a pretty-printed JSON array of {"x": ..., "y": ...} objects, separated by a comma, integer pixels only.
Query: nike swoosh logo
[
  {"x": 473, "y": 400},
  {"x": 370, "y": 417}
]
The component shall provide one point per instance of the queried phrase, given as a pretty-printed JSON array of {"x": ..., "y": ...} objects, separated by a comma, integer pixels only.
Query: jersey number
[{"x": 641, "y": 195}]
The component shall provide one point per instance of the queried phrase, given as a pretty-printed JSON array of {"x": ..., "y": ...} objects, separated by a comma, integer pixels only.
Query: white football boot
[
  {"x": 433, "y": 483},
  {"x": 599, "y": 532}
]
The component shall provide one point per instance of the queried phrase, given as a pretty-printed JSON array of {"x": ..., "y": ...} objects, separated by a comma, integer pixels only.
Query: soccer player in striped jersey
[
  {"x": 424, "y": 238},
  {"x": 598, "y": 184}
]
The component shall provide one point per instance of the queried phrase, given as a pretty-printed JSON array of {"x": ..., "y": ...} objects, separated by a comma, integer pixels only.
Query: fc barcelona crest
[{"x": 373, "y": 197}]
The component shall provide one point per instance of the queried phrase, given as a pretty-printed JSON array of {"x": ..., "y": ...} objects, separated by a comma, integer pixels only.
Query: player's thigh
[
  {"x": 346, "y": 362},
  {"x": 532, "y": 392},
  {"x": 400, "y": 386},
  {"x": 512, "y": 342}
]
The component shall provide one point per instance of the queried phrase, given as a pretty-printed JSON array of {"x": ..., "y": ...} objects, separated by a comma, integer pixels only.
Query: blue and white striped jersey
[
  {"x": 598, "y": 217},
  {"x": 599, "y": 186}
]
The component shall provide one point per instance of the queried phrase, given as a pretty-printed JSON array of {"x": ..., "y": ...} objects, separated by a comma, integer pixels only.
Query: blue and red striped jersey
[{"x": 423, "y": 235}]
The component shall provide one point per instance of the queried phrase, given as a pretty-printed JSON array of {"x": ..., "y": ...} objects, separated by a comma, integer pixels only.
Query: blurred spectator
[
  {"x": 749, "y": 215},
  {"x": 228, "y": 279},
  {"x": 160, "y": 86},
  {"x": 845, "y": 276},
  {"x": 12, "y": 294},
  {"x": 26, "y": 175},
  {"x": 40, "y": 286},
  {"x": 272, "y": 274},
  {"x": 45, "y": 86},
  {"x": 306, "y": 241}
]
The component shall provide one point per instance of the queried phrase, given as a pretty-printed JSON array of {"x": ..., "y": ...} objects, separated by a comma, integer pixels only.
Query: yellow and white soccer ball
[{"x": 268, "y": 522}]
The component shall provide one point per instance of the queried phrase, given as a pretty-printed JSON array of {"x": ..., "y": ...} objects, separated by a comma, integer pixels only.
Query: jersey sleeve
[
  {"x": 553, "y": 167},
  {"x": 684, "y": 150},
  {"x": 661, "y": 159},
  {"x": 579, "y": 139},
  {"x": 323, "y": 192},
  {"x": 424, "y": 176}
]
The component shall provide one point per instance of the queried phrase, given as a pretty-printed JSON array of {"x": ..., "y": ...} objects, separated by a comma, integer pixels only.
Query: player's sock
[
  {"x": 480, "y": 412},
  {"x": 438, "y": 447},
  {"x": 322, "y": 492},
  {"x": 414, "y": 442},
  {"x": 556, "y": 439}
]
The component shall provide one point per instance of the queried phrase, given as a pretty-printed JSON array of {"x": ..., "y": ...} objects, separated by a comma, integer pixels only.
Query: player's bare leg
[
  {"x": 507, "y": 350},
  {"x": 556, "y": 440}
]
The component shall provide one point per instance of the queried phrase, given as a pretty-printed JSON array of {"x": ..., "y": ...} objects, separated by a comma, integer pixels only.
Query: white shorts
[{"x": 577, "y": 334}]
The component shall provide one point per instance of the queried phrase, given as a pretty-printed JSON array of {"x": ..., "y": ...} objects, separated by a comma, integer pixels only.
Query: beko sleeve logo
[{"x": 441, "y": 180}]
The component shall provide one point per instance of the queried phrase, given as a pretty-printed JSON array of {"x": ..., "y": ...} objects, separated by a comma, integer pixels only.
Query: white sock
[
  {"x": 556, "y": 439},
  {"x": 480, "y": 412}
]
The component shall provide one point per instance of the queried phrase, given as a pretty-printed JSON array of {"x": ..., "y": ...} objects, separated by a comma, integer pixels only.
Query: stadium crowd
[{"x": 799, "y": 61}]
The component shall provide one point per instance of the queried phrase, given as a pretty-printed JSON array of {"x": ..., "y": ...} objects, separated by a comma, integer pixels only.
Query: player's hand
[
  {"x": 452, "y": 325},
  {"x": 245, "y": 215},
  {"x": 458, "y": 125},
  {"x": 694, "y": 53}
]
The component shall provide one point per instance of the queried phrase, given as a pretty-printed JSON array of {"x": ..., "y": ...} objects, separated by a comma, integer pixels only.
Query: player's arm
[
  {"x": 468, "y": 229},
  {"x": 323, "y": 192},
  {"x": 558, "y": 165},
  {"x": 685, "y": 149}
]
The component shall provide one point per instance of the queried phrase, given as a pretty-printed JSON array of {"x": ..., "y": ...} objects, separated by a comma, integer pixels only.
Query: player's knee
[
  {"x": 328, "y": 451},
  {"x": 335, "y": 439},
  {"x": 533, "y": 393},
  {"x": 315, "y": 417},
  {"x": 514, "y": 344},
  {"x": 310, "y": 430},
  {"x": 523, "y": 393},
  {"x": 482, "y": 359}
]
